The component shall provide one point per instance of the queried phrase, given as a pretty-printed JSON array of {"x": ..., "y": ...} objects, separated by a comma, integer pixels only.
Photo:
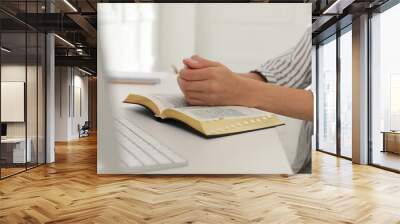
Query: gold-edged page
[{"x": 230, "y": 119}]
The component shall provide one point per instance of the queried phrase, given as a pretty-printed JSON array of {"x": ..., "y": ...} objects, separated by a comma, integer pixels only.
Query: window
[
  {"x": 333, "y": 137},
  {"x": 385, "y": 89},
  {"x": 346, "y": 93},
  {"x": 22, "y": 76},
  {"x": 394, "y": 101},
  {"x": 327, "y": 96},
  {"x": 135, "y": 31}
]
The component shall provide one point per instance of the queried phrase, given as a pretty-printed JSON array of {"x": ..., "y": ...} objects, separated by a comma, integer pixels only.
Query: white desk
[
  {"x": 258, "y": 152},
  {"x": 18, "y": 149}
]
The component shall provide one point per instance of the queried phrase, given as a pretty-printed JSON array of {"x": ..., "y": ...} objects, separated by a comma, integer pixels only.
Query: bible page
[
  {"x": 221, "y": 112},
  {"x": 165, "y": 101}
]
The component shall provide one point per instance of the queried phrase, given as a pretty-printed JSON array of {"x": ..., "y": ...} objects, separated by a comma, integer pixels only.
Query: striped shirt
[{"x": 293, "y": 69}]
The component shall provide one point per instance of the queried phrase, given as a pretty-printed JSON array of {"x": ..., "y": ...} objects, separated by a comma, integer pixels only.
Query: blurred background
[
  {"x": 50, "y": 46},
  {"x": 156, "y": 36}
]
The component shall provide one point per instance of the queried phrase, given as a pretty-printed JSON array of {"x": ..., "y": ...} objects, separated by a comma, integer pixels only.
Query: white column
[
  {"x": 63, "y": 103},
  {"x": 50, "y": 99}
]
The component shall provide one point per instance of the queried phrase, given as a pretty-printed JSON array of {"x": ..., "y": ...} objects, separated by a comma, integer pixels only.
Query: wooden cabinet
[{"x": 391, "y": 142}]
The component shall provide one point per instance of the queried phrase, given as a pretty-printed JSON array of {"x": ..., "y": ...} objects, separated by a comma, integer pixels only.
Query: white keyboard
[{"x": 147, "y": 153}]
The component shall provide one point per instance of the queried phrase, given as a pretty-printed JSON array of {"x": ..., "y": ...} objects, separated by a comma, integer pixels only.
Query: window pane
[
  {"x": 22, "y": 90},
  {"x": 327, "y": 97},
  {"x": 31, "y": 100},
  {"x": 32, "y": 89},
  {"x": 13, "y": 148},
  {"x": 386, "y": 89},
  {"x": 346, "y": 94}
]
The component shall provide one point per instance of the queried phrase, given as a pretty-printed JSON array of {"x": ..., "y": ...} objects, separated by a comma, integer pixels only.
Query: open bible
[{"x": 208, "y": 120}]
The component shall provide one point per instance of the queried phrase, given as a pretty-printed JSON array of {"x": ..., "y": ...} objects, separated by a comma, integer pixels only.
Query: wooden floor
[
  {"x": 5, "y": 172},
  {"x": 9, "y": 171},
  {"x": 387, "y": 159},
  {"x": 70, "y": 191}
]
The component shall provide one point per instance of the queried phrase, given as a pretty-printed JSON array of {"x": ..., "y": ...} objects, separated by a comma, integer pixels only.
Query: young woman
[{"x": 277, "y": 86}]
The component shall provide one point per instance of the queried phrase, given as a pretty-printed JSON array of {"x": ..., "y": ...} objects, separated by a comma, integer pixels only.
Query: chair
[{"x": 84, "y": 130}]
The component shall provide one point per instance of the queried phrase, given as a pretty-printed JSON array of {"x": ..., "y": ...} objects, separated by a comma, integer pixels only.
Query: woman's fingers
[
  {"x": 206, "y": 82},
  {"x": 199, "y": 98},
  {"x": 197, "y": 62},
  {"x": 198, "y": 86},
  {"x": 194, "y": 95},
  {"x": 195, "y": 74},
  {"x": 191, "y": 63}
]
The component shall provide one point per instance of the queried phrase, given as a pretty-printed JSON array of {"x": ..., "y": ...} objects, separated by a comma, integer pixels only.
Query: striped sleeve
[{"x": 291, "y": 69}]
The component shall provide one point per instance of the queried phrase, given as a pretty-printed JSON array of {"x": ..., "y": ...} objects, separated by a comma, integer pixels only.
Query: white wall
[
  {"x": 176, "y": 31},
  {"x": 34, "y": 126},
  {"x": 62, "y": 81},
  {"x": 15, "y": 72},
  {"x": 68, "y": 83},
  {"x": 256, "y": 32},
  {"x": 12, "y": 73},
  {"x": 79, "y": 117},
  {"x": 242, "y": 42}
]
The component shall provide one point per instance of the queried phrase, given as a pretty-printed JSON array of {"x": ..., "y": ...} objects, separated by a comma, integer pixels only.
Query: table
[
  {"x": 258, "y": 152},
  {"x": 17, "y": 150}
]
